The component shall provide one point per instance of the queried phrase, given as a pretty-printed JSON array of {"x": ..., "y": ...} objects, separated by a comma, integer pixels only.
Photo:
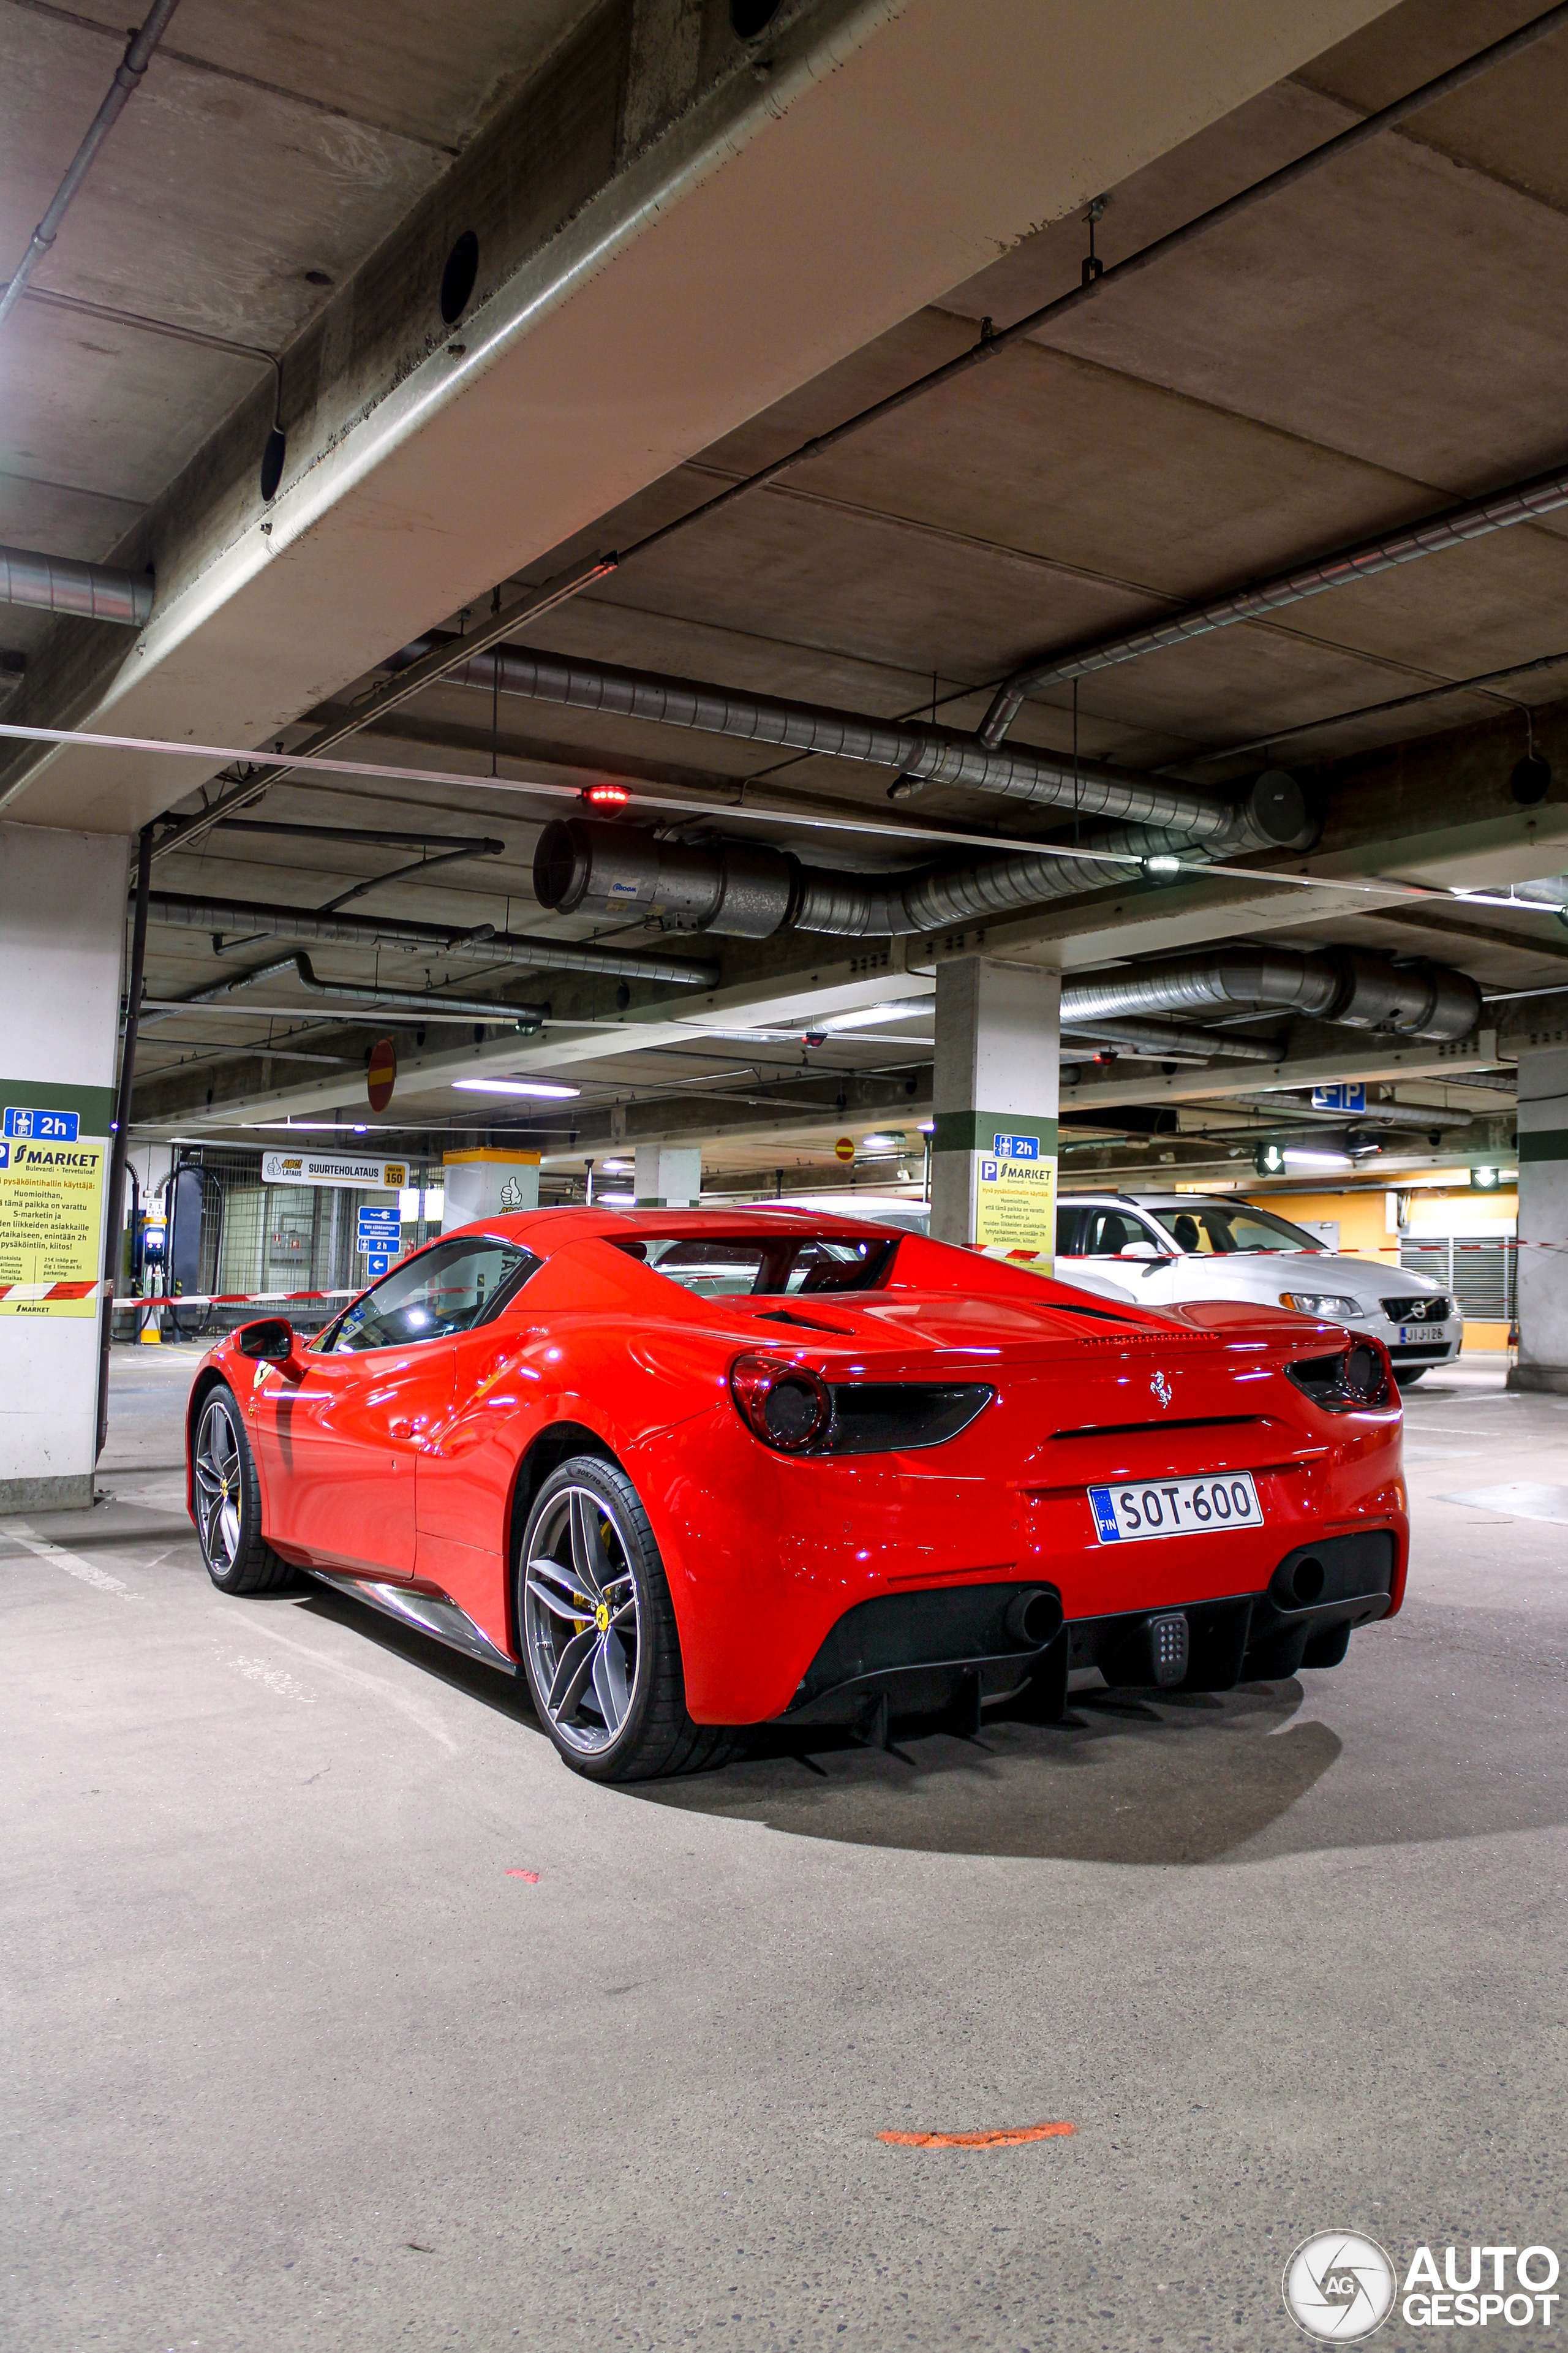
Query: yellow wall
[{"x": 1362, "y": 1216}]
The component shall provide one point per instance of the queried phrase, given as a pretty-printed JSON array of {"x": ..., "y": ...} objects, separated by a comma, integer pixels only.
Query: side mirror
[
  {"x": 272, "y": 1342},
  {"x": 1141, "y": 1249}
]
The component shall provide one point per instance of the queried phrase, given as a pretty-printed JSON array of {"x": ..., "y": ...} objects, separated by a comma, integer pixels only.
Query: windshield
[
  {"x": 767, "y": 1265},
  {"x": 1209, "y": 1231}
]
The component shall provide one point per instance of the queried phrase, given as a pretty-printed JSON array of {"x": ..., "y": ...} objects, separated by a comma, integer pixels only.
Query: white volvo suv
[{"x": 1161, "y": 1248}]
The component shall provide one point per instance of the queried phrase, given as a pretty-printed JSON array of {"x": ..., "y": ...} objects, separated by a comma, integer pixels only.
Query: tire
[
  {"x": 597, "y": 1632},
  {"x": 229, "y": 1501},
  {"x": 1410, "y": 1375}
]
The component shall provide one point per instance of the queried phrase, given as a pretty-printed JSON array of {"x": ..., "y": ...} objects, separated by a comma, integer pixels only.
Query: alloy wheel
[
  {"x": 581, "y": 1618},
  {"x": 218, "y": 1488}
]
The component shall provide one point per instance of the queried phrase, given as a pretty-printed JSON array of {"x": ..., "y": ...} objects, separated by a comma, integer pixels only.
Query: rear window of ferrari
[{"x": 773, "y": 1265}]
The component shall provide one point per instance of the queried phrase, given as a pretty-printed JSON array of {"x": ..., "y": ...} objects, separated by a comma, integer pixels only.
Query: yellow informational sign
[
  {"x": 1016, "y": 1203},
  {"x": 51, "y": 1221}
]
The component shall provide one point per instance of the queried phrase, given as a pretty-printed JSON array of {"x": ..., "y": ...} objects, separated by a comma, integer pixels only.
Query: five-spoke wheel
[
  {"x": 218, "y": 1475},
  {"x": 226, "y": 1497},
  {"x": 598, "y": 1631},
  {"x": 580, "y": 1618}
]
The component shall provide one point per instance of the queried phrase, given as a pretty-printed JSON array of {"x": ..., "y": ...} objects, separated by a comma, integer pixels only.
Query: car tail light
[
  {"x": 787, "y": 1406},
  {"x": 792, "y": 1408},
  {"x": 896, "y": 1417},
  {"x": 1359, "y": 1376}
]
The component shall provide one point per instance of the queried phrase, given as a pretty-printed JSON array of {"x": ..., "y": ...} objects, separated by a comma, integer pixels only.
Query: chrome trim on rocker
[{"x": 427, "y": 1614}]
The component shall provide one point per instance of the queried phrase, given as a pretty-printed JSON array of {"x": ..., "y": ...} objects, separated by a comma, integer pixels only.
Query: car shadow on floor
[{"x": 1126, "y": 1777}]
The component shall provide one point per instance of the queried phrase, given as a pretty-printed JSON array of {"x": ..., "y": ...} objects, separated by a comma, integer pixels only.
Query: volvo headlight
[{"x": 1331, "y": 1303}]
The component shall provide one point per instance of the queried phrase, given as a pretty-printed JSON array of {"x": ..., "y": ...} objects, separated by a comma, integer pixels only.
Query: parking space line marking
[
  {"x": 72, "y": 1562},
  {"x": 1009, "y": 2138}
]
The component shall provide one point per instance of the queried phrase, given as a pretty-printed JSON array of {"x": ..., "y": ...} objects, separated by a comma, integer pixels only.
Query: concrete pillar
[
  {"x": 486, "y": 1183},
  {"x": 668, "y": 1177},
  {"x": 994, "y": 1144},
  {"x": 1543, "y": 1211},
  {"x": 62, "y": 940}
]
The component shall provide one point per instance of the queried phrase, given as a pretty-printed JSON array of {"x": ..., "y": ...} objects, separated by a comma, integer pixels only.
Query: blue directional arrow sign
[{"x": 377, "y": 1262}]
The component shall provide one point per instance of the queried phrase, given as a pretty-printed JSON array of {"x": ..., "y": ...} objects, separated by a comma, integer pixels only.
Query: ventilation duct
[
  {"x": 184, "y": 911},
  {"x": 752, "y": 891},
  {"x": 1341, "y": 984},
  {"x": 1161, "y": 1038},
  {"x": 375, "y": 999},
  {"x": 1456, "y": 527},
  {"x": 933, "y": 755},
  {"x": 56, "y": 584}
]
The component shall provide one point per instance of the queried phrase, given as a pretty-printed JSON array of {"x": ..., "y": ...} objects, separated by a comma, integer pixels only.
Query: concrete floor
[{"x": 297, "y": 2061}]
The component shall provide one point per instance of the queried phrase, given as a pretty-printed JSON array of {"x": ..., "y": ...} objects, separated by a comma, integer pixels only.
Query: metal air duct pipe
[
  {"x": 935, "y": 755},
  {"x": 184, "y": 911},
  {"x": 430, "y": 1008},
  {"x": 127, "y": 74},
  {"x": 56, "y": 584},
  {"x": 1455, "y": 527},
  {"x": 745, "y": 889},
  {"x": 1339, "y": 984},
  {"x": 1160, "y": 1038}
]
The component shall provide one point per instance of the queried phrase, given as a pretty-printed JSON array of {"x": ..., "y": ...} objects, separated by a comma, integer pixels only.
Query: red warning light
[{"x": 606, "y": 795}]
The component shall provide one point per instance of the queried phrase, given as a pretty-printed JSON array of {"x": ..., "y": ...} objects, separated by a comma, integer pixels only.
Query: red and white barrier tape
[{"x": 127, "y": 1300}]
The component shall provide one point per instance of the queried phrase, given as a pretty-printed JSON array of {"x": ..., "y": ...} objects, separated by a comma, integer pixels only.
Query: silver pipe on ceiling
[
  {"x": 59, "y": 583},
  {"x": 1342, "y": 985},
  {"x": 374, "y": 998},
  {"x": 1457, "y": 526},
  {"x": 185, "y": 911},
  {"x": 932, "y": 755},
  {"x": 1161, "y": 1038},
  {"x": 127, "y": 74},
  {"x": 751, "y": 890}
]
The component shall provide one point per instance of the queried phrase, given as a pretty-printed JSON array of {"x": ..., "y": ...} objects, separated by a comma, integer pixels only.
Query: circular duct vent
[
  {"x": 1531, "y": 780},
  {"x": 752, "y": 18},
  {"x": 459, "y": 275}
]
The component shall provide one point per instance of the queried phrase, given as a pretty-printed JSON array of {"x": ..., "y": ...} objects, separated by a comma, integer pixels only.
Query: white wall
[
  {"x": 62, "y": 937},
  {"x": 1543, "y": 1214}
]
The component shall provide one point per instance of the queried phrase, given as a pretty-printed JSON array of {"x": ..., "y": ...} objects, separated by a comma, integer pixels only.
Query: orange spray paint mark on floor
[{"x": 1009, "y": 2138}]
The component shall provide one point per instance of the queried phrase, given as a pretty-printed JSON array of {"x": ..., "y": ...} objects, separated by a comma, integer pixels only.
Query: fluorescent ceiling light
[
  {"x": 1507, "y": 898},
  {"x": 1303, "y": 1159},
  {"x": 894, "y": 1143},
  {"x": 616, "y": 1168},
  {"x": 615, "y": 1201},
  {"x": 549, "y": 1090},
  {"x": 866, "y": 1017}
]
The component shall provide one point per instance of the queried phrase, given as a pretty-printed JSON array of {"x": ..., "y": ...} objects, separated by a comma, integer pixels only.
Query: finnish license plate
[
  {"x": 1174, "y": 1507},
  {"x": 1416, "y": 1332}
]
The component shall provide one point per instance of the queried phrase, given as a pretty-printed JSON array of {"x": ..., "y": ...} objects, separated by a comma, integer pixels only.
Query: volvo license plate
[
  {"x": 1174, "y": 1507},
  {"x": 1414, "y": 1334}
]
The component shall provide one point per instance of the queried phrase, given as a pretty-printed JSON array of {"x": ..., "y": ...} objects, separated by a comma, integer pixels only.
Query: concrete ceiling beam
[{"x": 633, "y": 306}]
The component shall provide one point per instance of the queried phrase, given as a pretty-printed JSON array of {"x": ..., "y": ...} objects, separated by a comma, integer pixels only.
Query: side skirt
[{"x": 429, "y": 1613}]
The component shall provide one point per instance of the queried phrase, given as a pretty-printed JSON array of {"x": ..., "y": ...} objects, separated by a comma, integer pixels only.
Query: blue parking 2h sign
[
  {"x": 44, "y": 1126},
  {"x": 1016, "y": 1147}
]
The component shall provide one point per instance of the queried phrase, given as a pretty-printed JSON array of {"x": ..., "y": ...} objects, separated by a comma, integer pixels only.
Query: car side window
[
  {"x": 451, "y": 1288},
  {"x": 1066, "y": 1232}
]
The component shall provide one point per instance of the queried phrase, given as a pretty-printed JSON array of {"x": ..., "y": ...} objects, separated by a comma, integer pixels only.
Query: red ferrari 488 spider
[{"x": 696, "y": 1470}]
